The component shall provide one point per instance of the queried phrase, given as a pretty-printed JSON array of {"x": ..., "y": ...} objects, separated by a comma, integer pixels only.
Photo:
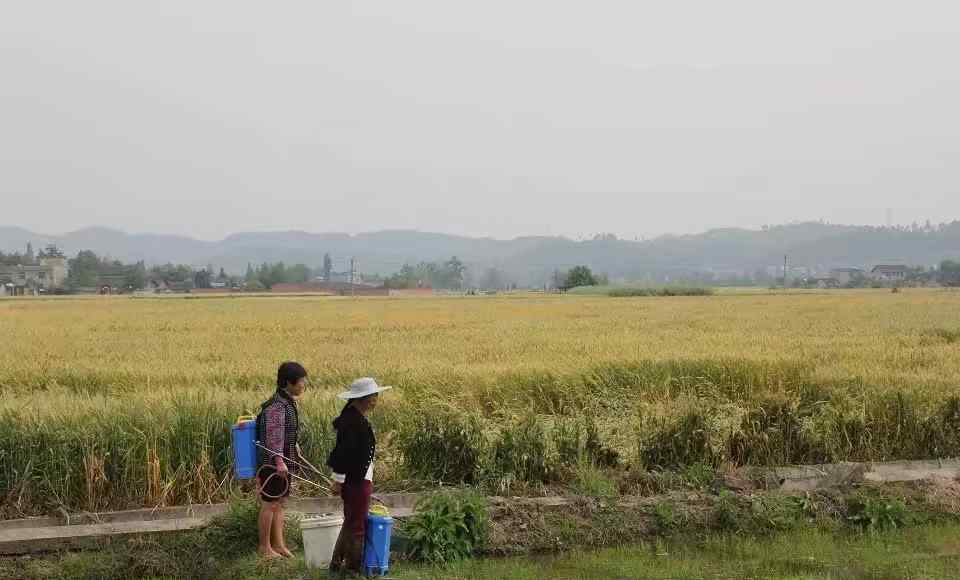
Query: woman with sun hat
[{"x": 352, "y": 463}]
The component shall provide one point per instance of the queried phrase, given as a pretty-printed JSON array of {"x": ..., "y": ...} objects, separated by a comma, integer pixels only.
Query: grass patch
[{"x": 664, "y": 291}]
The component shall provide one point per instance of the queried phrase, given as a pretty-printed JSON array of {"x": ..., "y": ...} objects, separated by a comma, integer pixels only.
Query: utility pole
[
  {"x": 353, "y": 270},
  {"x": 784, "y": 272}
]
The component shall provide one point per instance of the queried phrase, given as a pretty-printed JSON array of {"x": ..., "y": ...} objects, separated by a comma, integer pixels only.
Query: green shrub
[
  {"x": 447, "y": 527},
  {"x": 877, "y": 513},
  {"x": 699, "y": 475},
  {"x": 522, "y": 453},
  {"x": 775, "y": 513},
  {"x": 726, "y": 513},
  {"x": 444, "y": 446},
  {"x": 666, "y": 519}
]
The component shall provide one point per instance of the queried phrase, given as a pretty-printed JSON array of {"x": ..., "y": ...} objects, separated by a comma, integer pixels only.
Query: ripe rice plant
[{"x": 113, "y": 402}]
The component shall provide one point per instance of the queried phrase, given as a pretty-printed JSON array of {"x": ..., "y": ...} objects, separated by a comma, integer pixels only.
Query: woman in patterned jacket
[{"x": 278, "y": 430}]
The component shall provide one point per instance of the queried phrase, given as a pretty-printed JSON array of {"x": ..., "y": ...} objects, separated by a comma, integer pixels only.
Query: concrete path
[
  {"x": 813, "y": 477},
  {"x": 50, "y": 534}
]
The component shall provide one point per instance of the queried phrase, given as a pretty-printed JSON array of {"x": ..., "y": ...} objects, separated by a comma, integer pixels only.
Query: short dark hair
[{"x": 289, "y": 373}]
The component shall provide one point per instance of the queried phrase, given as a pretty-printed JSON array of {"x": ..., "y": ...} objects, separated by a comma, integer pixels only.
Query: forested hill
[{"x": 532, "y": 260}]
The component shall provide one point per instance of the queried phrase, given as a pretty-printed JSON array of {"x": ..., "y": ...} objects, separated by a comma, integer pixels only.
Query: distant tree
[
  {"x": 298, "y": 274},
  {"x": 137, "y": 276},
  {"x": 327, "y": 267},
  {"x": 278, "y": 274},
  {"x": 453, "y": 271},
  {"x": 176, "y": 275},
  {"x": 251, "y": 275},
  {"x": 580, "y": 276},
  {"x": 949, "y": 273},
  {"x": 404, "y": 278},
  {"x": 84, "y": 270},
  {"x": 222, "y": 276},
  {"x": 449, "y": 274},
  {"x": 202, "y": 278}
]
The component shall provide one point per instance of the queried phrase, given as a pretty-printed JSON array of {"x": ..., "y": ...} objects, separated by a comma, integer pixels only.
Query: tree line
[{"x": 447, "y": 275}]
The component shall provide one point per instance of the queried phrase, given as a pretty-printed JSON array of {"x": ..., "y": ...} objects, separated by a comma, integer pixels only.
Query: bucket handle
[{"x": 245, "y": 418}]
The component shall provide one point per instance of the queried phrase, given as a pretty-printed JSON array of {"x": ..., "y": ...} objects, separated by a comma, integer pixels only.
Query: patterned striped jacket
[{"x": 278, "y": 429}]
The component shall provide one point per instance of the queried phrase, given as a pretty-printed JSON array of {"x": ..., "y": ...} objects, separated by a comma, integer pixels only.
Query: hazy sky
[{"x": 498, "y": 118}]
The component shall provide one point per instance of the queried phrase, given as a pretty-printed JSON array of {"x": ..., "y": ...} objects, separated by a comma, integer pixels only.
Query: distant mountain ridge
[{"x": 528, "y": 260}]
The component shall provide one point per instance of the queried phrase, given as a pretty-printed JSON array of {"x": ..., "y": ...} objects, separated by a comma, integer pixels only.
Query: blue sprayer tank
[
  {"x": 245, "y": 448},
  {"x": 376, "y": 549}
]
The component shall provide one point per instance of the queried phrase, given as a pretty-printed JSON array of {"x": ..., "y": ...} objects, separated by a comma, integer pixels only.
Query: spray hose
[
  {"x": 304, "y": 465},
  {"x": 377, "y": 510}
]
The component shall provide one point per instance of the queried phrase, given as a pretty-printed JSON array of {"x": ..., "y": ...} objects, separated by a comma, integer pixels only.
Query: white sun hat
[{"x": 362, "y": 388}]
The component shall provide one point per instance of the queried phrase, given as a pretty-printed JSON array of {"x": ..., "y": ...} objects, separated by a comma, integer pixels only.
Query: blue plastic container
[
  {"x": 244, "y": 448},
  {"x": 376, "y": 550}
]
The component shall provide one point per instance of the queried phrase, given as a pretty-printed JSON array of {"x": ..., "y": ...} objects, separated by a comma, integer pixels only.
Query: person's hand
[
  {"x": 282, "y": 468},
  {"x": 336, "y": 487}
]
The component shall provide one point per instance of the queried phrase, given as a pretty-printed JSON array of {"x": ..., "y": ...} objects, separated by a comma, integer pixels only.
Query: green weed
[{"x": 447, "y": 527}]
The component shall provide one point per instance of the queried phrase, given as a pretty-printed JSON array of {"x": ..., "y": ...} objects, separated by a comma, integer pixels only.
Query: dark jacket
[
  {"x": 278, "y": 429},
  {"x": 356, "y": 445}
]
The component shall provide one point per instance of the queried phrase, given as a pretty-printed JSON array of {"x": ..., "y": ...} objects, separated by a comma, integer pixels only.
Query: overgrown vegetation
[
  {"x": 444, "y": 447},
  {"x": 447, "y": 527}
]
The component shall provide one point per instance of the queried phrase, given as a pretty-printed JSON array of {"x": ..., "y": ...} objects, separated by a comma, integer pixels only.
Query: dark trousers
[{"x": 348, "y": 553}]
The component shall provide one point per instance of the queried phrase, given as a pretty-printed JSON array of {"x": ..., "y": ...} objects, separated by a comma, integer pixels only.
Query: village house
[
  {"x": 43, "y": 274},
  {"x": 889, "y": 273}
]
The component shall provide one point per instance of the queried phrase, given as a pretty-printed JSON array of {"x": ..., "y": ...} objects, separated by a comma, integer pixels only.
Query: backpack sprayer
[{"x": 245, "y": 447}]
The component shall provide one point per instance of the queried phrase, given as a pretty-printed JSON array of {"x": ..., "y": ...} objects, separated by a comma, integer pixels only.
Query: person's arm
[{"x": 276, "y": 424}]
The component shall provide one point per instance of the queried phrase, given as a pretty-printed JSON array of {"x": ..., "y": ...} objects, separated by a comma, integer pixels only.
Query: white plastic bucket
[{"x": 320, "y": 533}]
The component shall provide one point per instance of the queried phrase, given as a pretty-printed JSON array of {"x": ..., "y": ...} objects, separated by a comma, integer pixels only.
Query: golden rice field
[{"x": 114, "y": 402}]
